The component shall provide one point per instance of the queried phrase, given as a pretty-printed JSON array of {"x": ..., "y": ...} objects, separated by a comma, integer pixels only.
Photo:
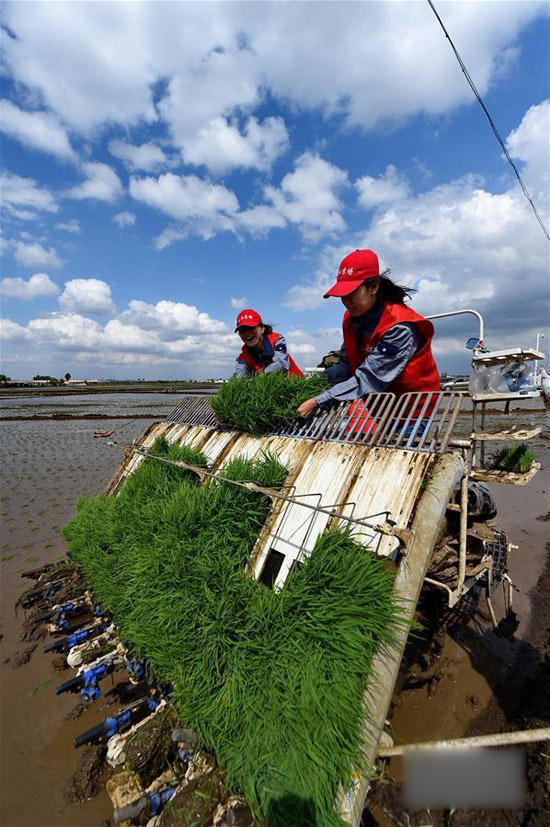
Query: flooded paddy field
[{"x": 48, "y": 464}]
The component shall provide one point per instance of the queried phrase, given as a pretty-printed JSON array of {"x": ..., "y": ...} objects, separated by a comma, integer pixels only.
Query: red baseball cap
[
  {"x": 354, "y": 269},
  {"x": 248, "y": 318}
]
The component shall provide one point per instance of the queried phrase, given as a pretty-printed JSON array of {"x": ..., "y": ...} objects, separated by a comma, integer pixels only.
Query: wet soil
[
  {"x": 150, "y": 751},
  {"x": 47, "y": 465}
]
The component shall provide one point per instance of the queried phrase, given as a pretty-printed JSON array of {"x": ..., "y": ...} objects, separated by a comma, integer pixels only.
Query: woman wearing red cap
[
  {"x": 263, "y": 350},
  {"x": 387, "y": 345}
]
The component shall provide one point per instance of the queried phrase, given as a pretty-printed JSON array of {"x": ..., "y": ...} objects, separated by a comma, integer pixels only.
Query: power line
[{"x": 489, "y": 118}]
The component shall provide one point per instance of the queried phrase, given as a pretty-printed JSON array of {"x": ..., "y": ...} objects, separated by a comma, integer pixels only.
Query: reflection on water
[{"x": 113, "y": 404}]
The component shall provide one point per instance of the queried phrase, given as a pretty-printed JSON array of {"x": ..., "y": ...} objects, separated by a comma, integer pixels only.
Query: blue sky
[{"x": 166, "y": 164}]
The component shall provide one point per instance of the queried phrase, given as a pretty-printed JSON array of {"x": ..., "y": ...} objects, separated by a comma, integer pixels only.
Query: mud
[
  {"x": 84, "y": 783},
  {"x": 196, "y": 803},
  {"x": 151, "y": 749},
  {"x": 21, "y": 658}
]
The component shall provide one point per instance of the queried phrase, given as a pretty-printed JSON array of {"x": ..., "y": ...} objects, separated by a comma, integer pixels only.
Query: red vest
[
  {"x": 247, "y": 357},
  {"x": 420, "y": 373}
]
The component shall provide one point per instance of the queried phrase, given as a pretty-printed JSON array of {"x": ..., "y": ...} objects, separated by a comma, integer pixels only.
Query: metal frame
[{"x": 387, "y": 421}]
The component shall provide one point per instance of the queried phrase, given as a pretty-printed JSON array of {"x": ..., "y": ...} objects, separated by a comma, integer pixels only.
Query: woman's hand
[{"x": 308, "y": 407}]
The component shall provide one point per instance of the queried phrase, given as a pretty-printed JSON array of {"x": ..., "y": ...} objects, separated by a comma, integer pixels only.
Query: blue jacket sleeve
[
  {"x": 381, "y": 367},
  {"x": 280, "y": 357},
  {"x": 242, "y": 371}
]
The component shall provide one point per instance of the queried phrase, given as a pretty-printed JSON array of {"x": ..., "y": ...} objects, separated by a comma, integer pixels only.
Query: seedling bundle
[
  {"x": 518, "y": 458},
  {"x": 266, "y": 402},
  {"x": 272, "y": 683}
]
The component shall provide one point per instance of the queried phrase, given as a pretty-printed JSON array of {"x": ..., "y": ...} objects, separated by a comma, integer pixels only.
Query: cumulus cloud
[
  {"x": 173, "y": 318},
  {"x": 239, "y": 304},
  {"x": 38, "y": 285},
  {"x": 124, "y": 219},
  {"x": 70, "y": 226},
  {"x": 260, "y": 219},
  {"x": 530, "y": 143},
  {"x": 23, "y": 197},
  {"x": 391, "y": 186},
  {"x": 144, "y": 334},
  {"x": 33, "y": 255},
  {"x": 308, "y": 196},
  {"x": 102, "y": 183},
  {"x": 87, "y": 296},
  {"x": 37, "y": 130},
  {"x": 147, "y": 156},
  {"x": 221, "y": 146},
  {"x": 309, "y": 295},
  {"x": 90, "y": 72},
  {"x": 13, "y": 332},
  {"x": 203, "y": 206}
]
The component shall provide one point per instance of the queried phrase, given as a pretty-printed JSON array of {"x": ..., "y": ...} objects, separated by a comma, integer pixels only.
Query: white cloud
[
  {"x": 37, "y": 130},
  {"x": 102, "y": 183},
  {"x": 301, "y": 348},
  {"x": 92, "y": 67},
  {"x": 222, "y": 147},
  {"x": 173, "y": 318},
  {"x": 124, "y": 219},
  {"x": 38, "y": 285},
  {"x": 87, "y": 296},
  {"x": 309, "y": 295},
  {"x": 205, "y": 208},
  {"x": 70, "y": 226},
  {"x": 65, "y": 331},
  {"x": 147, "y": 156},
  {"x": 392, "y": 186},
  {"x": 35, "y": 255},
  {"x": 23, "y": 196},
  {"x": 260, "y": 219},
  {"x": 13, "y": 332},
  {"x": 239, "y": 304},
  {"x": 530, "y": 143},
  {"x": 166, "y": 333},
  {"x": 307, "y": 197}
]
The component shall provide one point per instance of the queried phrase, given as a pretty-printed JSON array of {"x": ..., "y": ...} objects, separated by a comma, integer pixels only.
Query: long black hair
[
  {"x": 392, "y": 292},
  {"x": 267, "y": 329}
]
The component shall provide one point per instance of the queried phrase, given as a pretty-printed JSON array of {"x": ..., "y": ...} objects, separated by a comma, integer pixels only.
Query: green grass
[
  {"x": 266, "y": 402},
  {"x": 519, "y": 459},
  {"x": 271, "y": 683}
]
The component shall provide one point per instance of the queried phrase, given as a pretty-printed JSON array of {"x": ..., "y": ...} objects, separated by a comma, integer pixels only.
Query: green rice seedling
[
  {"x": 266, "y": 402},
  {"x": 272, "y": 683},
  {"x": 518, "y": 458}
]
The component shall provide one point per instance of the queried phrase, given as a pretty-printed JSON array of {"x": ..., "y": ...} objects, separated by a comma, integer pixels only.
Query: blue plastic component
[
  {"x": 113, "y": 725},
  {"x": 159, "y": 798},
  {"x": 152, "y": 704},
  {"x": 91, "y": 690}
]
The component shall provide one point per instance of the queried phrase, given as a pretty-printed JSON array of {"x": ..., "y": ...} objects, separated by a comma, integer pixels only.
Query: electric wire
[{"x": 491, "y": 121}]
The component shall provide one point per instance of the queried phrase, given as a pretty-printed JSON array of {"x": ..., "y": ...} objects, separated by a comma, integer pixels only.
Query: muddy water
[{"x": 47, "y": 465}]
